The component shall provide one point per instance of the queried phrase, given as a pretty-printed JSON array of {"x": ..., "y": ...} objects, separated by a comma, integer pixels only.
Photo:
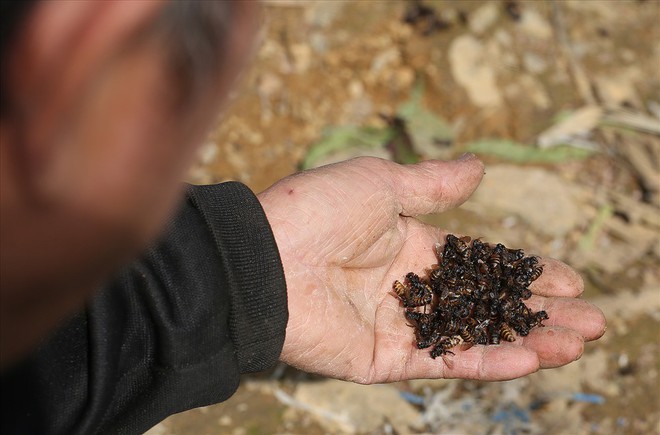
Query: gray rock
[
  {"x": 534, "y": 25},
  {"x": 548, "y": 203},
  {"x": 484, "y": 17},
  {"x": 472, "y": 70},
  {"x": 353, "y": 408}
]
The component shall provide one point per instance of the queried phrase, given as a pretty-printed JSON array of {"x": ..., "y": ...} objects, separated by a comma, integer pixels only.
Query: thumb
[{"x": 434, "y": 186}]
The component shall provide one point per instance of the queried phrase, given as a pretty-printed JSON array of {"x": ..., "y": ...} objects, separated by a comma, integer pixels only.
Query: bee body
[
  {"x": 443, "y": 346},
  {"x": 536, "y": 273},
  {"x": 505, "y": 333},
  {"x": 400, "y": 290},
  {"x": 473, "y": 295},
  {"x": 466, "y": 335}
]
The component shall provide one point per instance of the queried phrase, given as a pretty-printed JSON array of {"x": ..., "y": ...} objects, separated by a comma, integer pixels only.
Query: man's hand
[{"x": 346, "y": 231}]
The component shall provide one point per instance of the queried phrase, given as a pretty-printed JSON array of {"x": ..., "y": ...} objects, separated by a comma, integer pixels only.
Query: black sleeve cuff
[
  {"x": 252, "y": 265},
  {"x": 171, "y": 331}
]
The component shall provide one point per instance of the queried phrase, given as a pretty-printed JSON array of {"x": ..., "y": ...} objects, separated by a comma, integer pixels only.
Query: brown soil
[{"x": 324, "y": 64}]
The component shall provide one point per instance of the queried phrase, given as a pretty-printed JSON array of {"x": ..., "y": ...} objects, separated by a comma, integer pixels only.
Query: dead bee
[
  {"x": 494, "y": 331},
  {"x": 422, "y": 322},
  {"x": 536, "y": 273},
  {"x": 417, "y": 317},
  {"x": 429, "y": 341},
  {"x": 435, "y": 273},
  {"x": 480, "y": 251},
  {"x": 475, "y": 295},
  {"x": 466, "y": 335},
  {"x": 400, "y": 290},
  {"x": 495, "y": 259},
  {"x": 465, "y": 311},
  {"x": 450, "y": 282},
  {"x": 443, "y": 346},
  {"x": 481, "y": 311},
  {"x": 514, "y": 255},
  {"x": 452, "y": 327},
  {"x": 465, "y": 290},
  {"x": 539, "y": 317},
  {"x": 461, "y": 245},
  {"x": 414, "y": 293},
  {"x": 505, "y": 333},
  {"x": 420, "y": 293}
]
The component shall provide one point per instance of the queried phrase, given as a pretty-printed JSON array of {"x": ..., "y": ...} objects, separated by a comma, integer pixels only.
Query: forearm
[{"x": 172, "y": 331}]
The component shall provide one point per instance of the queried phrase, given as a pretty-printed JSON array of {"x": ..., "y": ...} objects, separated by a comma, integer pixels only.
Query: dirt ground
[{"x": 561, "y": 99}]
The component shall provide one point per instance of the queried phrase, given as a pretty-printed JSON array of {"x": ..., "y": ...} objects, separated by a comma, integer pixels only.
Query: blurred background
[{"x": 561, "y": 99}]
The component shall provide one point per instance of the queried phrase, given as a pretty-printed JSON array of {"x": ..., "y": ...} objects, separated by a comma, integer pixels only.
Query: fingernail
[{"x": 466, "y": 156}]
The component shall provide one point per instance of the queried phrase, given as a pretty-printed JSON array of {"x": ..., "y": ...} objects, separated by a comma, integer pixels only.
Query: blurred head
[{"x": 103, "y": 106}]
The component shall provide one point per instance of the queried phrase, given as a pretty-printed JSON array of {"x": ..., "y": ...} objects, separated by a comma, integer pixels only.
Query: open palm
[{"x": 346, "y": 231}]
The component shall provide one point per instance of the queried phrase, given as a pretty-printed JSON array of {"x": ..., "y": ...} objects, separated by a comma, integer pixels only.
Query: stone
[
  {"x": 472, "y": 70},
  {"x": 484, "y": 17},
  {"x": 534, "y": 25},
  {"x": 544, "y": 200},
  {"x": 354, "y": 408}
]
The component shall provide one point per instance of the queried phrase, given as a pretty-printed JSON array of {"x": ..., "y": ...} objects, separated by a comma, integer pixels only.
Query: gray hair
[{"x": 196, "y": 34}]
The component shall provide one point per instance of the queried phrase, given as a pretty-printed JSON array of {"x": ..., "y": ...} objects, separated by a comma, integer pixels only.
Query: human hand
[{"x": 346, "y": 231}]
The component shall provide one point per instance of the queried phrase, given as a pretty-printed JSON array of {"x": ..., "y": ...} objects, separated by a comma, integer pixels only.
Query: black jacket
[{"x": 172, "y": 331}]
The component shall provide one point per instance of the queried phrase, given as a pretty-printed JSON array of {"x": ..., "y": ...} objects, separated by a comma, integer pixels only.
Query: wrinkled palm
[{"x": 346, "y": 232}]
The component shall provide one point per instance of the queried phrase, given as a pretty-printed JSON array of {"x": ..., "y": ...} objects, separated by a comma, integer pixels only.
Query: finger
[
  {"x": 489, "y": 363},
  {"x": 557, "y": 279},
  {"x": 554, "y": 345},
  {"x": 576, "y": 314},
  {"x": 434, "y": 186}
]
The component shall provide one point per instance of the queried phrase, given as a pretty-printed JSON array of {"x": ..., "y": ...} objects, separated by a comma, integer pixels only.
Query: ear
[{"x": 54, "y": 57}]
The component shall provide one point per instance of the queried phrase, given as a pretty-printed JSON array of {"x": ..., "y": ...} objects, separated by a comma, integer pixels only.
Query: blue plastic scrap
[
  {"x": 415, "y": 399},
  {"x": 511, "y": 412},
  {"x": 596, "y": 399}
]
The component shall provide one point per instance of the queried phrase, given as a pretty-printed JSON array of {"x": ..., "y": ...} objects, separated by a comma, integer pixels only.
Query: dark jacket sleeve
[{"x": 172, "y": 331}]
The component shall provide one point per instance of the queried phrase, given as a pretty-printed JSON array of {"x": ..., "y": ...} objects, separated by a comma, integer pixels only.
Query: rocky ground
[{"x": 561, "y": 99}]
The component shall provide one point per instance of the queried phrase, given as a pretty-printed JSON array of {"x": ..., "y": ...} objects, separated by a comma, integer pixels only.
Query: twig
[
  {"x": 577, "y": 72},
  {"x": 633, "y": 120}
]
